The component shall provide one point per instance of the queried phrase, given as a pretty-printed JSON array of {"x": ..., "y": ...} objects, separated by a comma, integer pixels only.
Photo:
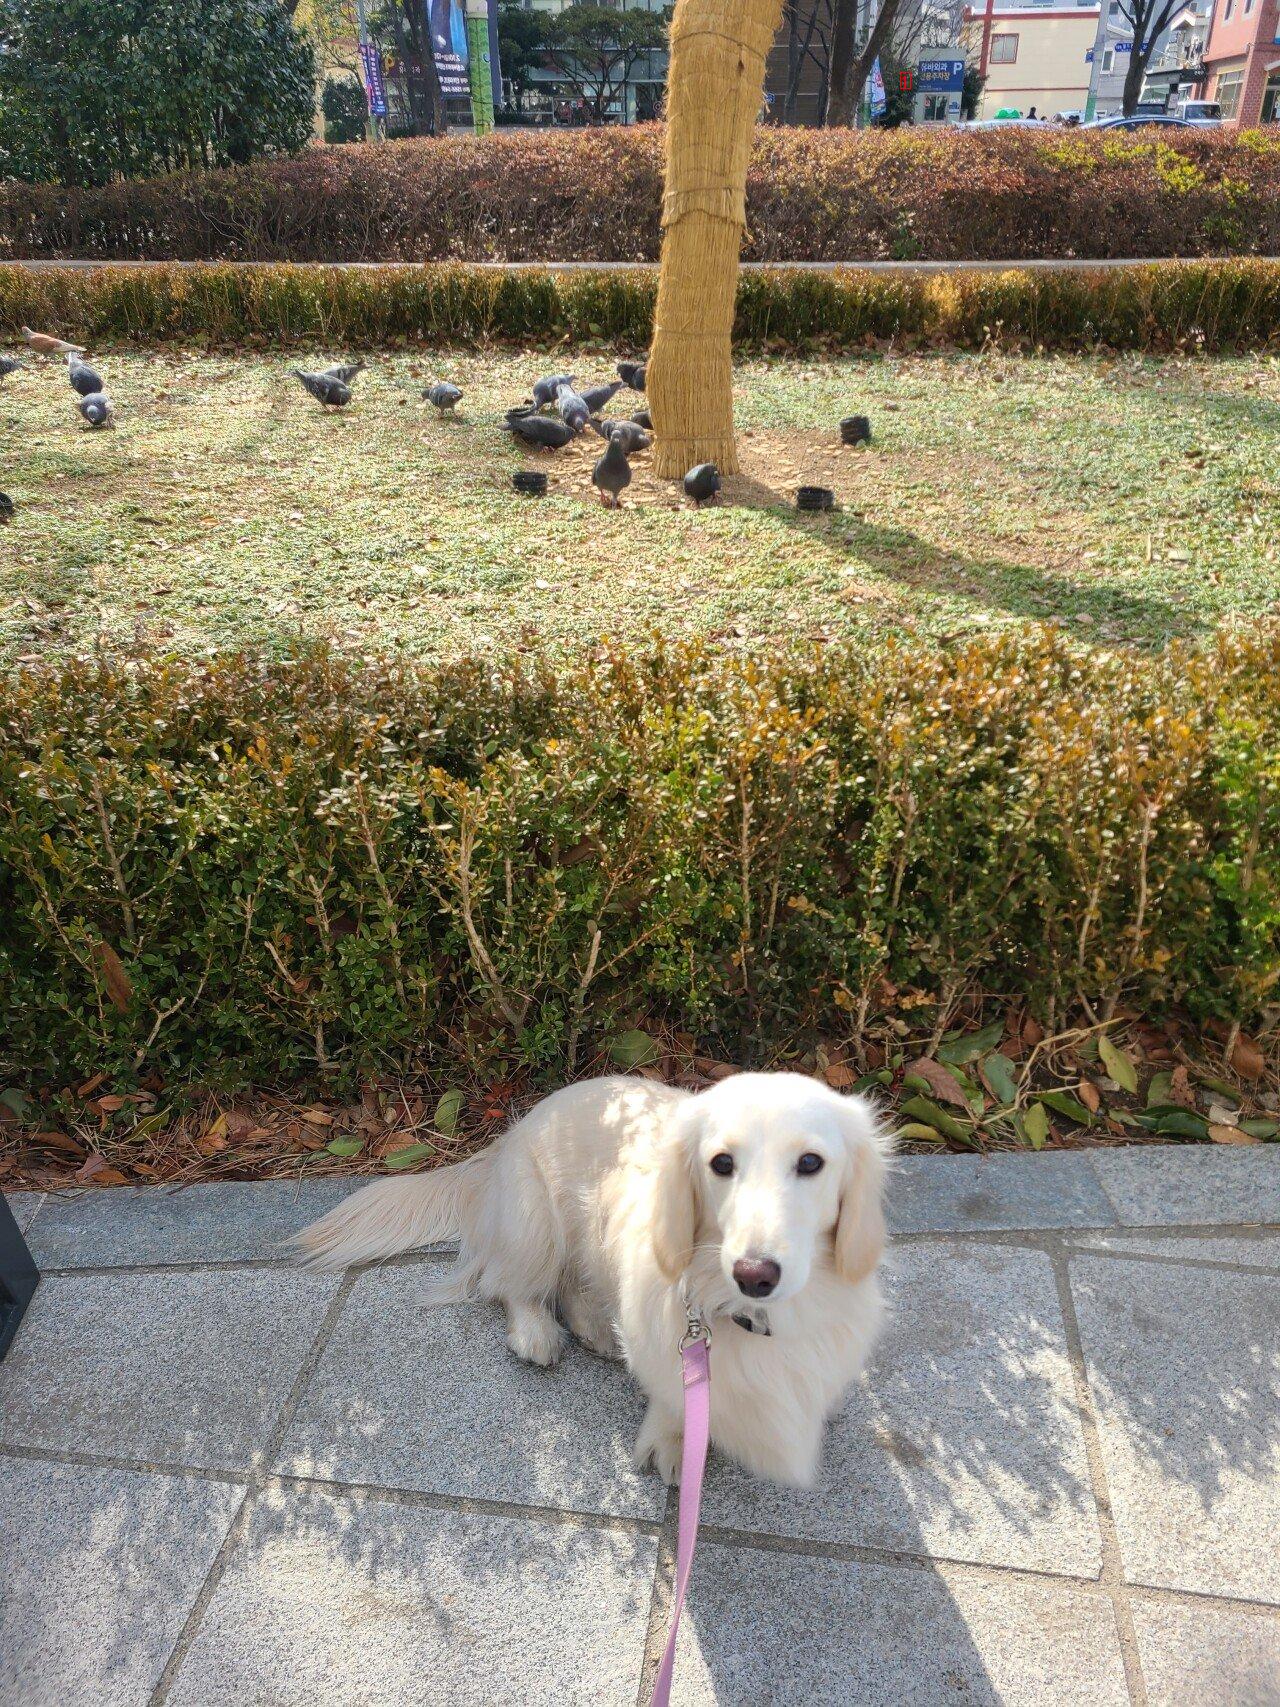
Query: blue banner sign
[
  {"x": 374, "y": 81},
  {"x": 940, "y": 76}
]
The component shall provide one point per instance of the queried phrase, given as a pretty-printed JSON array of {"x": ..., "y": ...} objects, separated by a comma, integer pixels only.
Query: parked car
[
  {"x": 1199, "y": 112},
  {"x": 1140, "y": 121}
]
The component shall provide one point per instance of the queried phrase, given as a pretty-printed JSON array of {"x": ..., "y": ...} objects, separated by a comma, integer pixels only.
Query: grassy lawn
[{"x": 1136, "y": 498}]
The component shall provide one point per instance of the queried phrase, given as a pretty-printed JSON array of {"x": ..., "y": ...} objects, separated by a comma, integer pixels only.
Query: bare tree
[
  {"x": 848, "y": 75},
  {"x": 1149, "y": 19}
]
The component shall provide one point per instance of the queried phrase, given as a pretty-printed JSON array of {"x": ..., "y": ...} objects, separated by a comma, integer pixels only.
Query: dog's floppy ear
[
  {"x": 674, "y": 1208},
  {"x": 860, "y": 1229}
]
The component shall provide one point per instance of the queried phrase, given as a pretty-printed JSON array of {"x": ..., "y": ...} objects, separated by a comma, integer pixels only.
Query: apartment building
[{"x": 1242, "y": 61}]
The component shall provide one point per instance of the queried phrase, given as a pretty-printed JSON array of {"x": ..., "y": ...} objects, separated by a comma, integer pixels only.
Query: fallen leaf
[
  {"x": 90, "y": 1085},
  {"x": 1180, "y": 1088},
  {"x": 110, "y": 1104},
  {"x": 634, "y": 1049},
  {"x": 840, "y": 1077},
  {"x": 1119, "y": 1065},
  {"x": 317, "y": 1117},
  {"x": 1035, "y": 1126},
  {"x": 710, "y": 1069},
  {"x": 98, "y": 1171},
  {"x": 345, "y": 1146},
  {"x": 920, "y": 1108},
  {"x": 1231, "y": 1135},
  {"x": 406, "y": 1157},
  {"x": 999, "y": 1077},
  {"x": 961, "y": 1050},
  {"x": 1088, "y": 1094},
  {"x": 918, "y": 1130},
  {"x": 1062, "y": 1102},
  {"x": 1247, "y": 1059},
  {"x": 935, "y": 1077},
  {"x": 448, "y": 1109},
  {"x": 114, "y": 976},
  {"x": 211, "y": 1143},
  {"x": 1032, "y": 1032}
]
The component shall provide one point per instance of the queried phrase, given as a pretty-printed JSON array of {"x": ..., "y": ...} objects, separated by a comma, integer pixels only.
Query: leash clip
[{"x": 695, "y": 1323}]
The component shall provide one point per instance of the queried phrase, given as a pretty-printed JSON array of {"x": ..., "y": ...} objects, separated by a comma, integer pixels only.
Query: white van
[{"x": 1199, "y": 112}]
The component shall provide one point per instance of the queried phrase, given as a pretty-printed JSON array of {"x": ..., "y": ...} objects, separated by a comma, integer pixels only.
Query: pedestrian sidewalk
[{"x": 223, "y": 1481}]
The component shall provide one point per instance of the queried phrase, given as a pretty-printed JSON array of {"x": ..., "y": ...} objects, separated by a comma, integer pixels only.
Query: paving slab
[
  {"x": 227, "y": 1221},
  {"x": 411, "y": 1396},
  {"x": 963, "y": 1441},
  {"x": 333, "y": 1598},
  {"x": 1245, "y": 1249},
  {"x": 1210, "y": 1185},
  {"x": 1184, "y": 1364},
  {"x": 186, "y": 1368},
  {"x": 1206, "y": 1657},
  {"x": 101, "y": 1568},
  {"x": 23, "y": 1206},
  {"x": 772, "y": 1627},
  {"x": 1005, "y": 1192}
]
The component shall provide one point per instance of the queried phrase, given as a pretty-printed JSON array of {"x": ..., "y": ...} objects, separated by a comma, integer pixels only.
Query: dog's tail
[{"x": 396, "y": 1215}]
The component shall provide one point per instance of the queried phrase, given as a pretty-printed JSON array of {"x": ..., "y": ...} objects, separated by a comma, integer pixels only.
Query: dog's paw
[
  {"x": 660, "y": 1447},
  {"x": 535, "y": 1336}
]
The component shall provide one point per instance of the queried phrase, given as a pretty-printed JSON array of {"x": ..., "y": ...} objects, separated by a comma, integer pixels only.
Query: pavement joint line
[
  {"x": 1038, "y": 1238},
  {"x": 103, "y": 1461},
  {"x": 255, "y": 1482},
  {"x": 660, "y": 1597},
  {"x": 468, "y": 1504},
  {"x": 1111, "y": 1575},
  {"x": 1173, "y": 1261}
]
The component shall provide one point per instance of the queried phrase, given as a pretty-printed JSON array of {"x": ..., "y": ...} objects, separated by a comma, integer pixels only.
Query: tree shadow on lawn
[{"x": 897, "y": 553}]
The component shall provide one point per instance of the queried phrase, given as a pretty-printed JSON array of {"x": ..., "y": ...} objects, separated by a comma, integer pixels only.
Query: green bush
[
  {"x": 1176, "y": 305},
  {"x": 307, "y": 869}
]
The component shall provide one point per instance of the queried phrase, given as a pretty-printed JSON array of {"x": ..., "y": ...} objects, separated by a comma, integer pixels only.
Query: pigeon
[
  {"x": 546, "y": 390},
  {"x": 702, "y": 482},
  {"x": 632, "y": 437},
  {"x": 96, "y": 409},
  {"x": 446, "y": 397},
  {"x": 44, "y": 345},
  {"x": 599, "y": 395},
  {"x": 345, "y": 371},
  {"x": 541, "y": 430},
  {"x": 84, "y": 380},
  {"x": 335, "y": 393},
  {"x": 6, "y": 507},
  {"x": 643, "y": 418},
  {"x": 633, "y": 374},
  {"x": 573, "y": 410},
  {"x": 8, "y": 365},
  {"x": 612, "y": 474}
]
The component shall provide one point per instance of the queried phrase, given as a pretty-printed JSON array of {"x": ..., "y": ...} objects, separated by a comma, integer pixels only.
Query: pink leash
[{"x": 695, "y": 1367}]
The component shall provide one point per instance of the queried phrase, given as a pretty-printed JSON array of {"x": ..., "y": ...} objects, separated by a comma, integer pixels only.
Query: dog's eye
[
  {"x": 809, "y": 1163},
  {"x": 722, "y": 1164}
]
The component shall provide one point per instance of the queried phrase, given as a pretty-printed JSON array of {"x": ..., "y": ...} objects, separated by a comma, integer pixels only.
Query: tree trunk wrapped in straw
[{"x": 718, "y": 50}]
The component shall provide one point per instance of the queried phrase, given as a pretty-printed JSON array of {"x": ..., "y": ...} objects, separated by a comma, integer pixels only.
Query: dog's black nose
[{"x": 756, "y": 1276}]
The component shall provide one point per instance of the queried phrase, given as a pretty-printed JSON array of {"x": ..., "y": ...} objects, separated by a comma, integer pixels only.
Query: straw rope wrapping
[{"x": 715, "y": 86}]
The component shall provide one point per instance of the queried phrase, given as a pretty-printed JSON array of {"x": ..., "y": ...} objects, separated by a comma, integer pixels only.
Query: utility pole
[{"x": 1095, "y": 70}]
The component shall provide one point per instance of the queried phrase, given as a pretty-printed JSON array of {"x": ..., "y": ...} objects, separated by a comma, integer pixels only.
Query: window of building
[
  {"x": 1108, "y": 59},
  {"x": 1228, "y": 92},
  {"x": 1004, "y": 50},
  {"x": 1271, "y": 100},
  {"x": 1226, "y": 15},
  {"x": 1248, "y": 7}
]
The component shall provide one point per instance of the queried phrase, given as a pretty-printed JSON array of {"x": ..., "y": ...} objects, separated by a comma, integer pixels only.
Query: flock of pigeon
[
  {"x": 571, "y": 413},
  {"x": 555, "y": 414},
  {"x": 86, "y": 382}
]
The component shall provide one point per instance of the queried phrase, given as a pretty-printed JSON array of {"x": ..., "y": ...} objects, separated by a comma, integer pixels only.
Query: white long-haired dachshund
[{"x": 616, "y": 1200}]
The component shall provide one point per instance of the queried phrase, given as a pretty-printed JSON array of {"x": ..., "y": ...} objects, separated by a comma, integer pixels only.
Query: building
[
  {"x": 1242, "y": 61},
  {"x": 1036, "y": 56},
  {"x": 1176, "y": 69}
]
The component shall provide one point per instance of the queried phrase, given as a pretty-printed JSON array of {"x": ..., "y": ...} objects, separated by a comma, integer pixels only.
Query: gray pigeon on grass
[
  {"x": 84, "y": 379},
  {"x": 8, "y": 365},
  {"x": 599, "y": 395},
  {"x": 546, "y": 390},
  {"x": 97, "y": 410},
  {"x": 631, "y": 436},
  {"x": 541, "y": 430},
  {"x": 444, "y": 396},
  {"x": 333, "y": 393},
  {"x": 633, "y": 374},
  {"x": 344, "y": 372},
  {"x": 573, "y": 409},
  {"x": 612, "y": 474}
]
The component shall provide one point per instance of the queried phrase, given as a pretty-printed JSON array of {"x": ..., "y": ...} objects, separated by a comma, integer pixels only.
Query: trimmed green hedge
[
  {"x": 254, "y": 868},
  {"x": 1192, "y": 305}
]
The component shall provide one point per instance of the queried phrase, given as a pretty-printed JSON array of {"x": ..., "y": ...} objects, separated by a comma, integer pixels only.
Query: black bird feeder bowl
[
  {"x": 530, "y": 482},
  {"x": 815, "y": 498},
  {"x": 855, "y": 430}
]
